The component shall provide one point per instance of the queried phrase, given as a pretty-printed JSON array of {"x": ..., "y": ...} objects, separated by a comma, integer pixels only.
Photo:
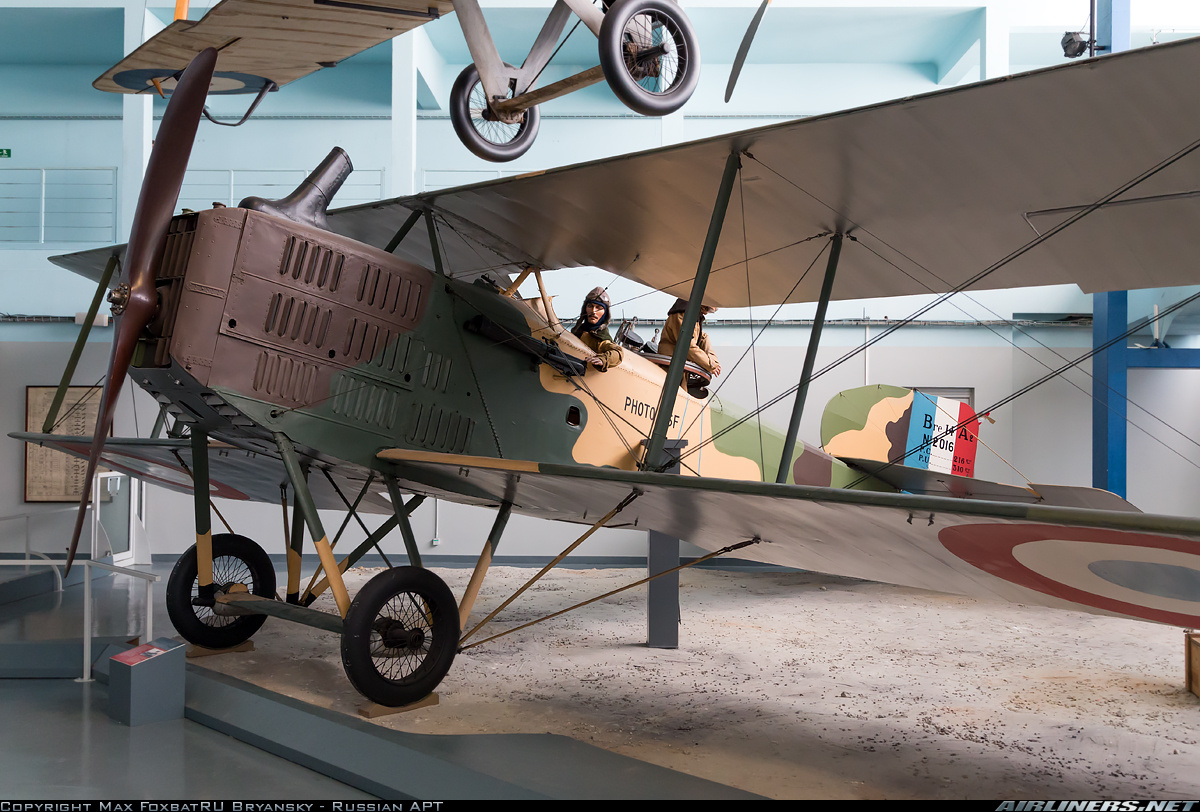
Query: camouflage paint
[
  {"x": 869, "y": 422},
  {"x": 275, "y": 327},
  {"x": 885, "y": 423}
]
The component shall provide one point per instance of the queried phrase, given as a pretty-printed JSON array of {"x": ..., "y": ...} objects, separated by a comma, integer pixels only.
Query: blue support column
[{"x": 1110, "y": 314}]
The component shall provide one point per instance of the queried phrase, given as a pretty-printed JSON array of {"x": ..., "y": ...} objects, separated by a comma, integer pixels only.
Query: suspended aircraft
[
  {"x": 648, "y": 54},
  {"x": 385, "y": 350}
]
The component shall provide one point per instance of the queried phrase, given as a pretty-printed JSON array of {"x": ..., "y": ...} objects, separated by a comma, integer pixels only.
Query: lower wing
[
  {"x": 1110, "y": 562},
  {"x": 234, "y": 473}
]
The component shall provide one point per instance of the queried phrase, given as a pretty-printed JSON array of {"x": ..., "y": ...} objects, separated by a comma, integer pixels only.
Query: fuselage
[{"x": 268, "y": 325}]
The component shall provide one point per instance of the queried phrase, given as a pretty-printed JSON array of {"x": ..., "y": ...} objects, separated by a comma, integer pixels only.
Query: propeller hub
[{"x": 119, "y": 298}]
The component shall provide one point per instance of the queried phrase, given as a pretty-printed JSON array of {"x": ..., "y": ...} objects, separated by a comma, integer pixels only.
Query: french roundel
[
  {"x": 1137, "y": 574},
  {"x": 224, "y": 83}
]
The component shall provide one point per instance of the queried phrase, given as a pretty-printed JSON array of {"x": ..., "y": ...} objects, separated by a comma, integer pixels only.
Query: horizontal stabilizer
[
  {"x": 935, "y": 483},
  {"x": 938, "y": 483},
  {"x": 1078, "y": 496}
]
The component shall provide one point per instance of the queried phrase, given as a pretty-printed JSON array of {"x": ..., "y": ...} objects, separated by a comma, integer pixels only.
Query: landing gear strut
[{"x": 238, "y": 565}]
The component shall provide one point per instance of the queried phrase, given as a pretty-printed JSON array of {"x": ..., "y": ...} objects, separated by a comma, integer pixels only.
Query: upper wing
[
  {"x": 933, "y": 189},
  {"x": 1123, "y": 563},
  {"x": 268, "y": 40}
]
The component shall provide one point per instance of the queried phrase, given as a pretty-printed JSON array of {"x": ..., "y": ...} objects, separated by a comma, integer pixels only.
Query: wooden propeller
[
  {"x": 744, "y": 49},
  {"x": 135, "y": 301}
]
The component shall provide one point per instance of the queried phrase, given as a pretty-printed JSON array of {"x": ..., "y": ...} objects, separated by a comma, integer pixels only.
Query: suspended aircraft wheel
[
  {"x": 481, "y": 130},
  {"x": 400, "y": 636},
  {"x": 649, "y": 54},
  {"x": 238, "y": 563}
]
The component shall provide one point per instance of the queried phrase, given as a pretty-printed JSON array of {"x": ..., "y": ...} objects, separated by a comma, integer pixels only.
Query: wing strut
[
  {"x": 666, "y": 402},
  {"x": 483, "y": 563},
  {"x": 810, "y": 358},
  {"x": 80, "y": 342}
]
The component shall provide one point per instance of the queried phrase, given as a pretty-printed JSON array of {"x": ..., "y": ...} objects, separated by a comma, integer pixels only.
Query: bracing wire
[
  {"x": 935, "y": 275},
  {"x": 1054, "y": 373},
  {"x": 995, "y": 266}
]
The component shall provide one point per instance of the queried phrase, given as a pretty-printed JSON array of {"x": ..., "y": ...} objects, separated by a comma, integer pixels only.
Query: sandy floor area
[{"x": 795, "y": 685}]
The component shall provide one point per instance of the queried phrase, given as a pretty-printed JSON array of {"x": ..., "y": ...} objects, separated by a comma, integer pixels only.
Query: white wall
[{"x": 1043, "y": 436}]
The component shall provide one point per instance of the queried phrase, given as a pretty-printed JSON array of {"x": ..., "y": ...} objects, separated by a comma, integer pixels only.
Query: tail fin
[{"x": 890, "y": 424}]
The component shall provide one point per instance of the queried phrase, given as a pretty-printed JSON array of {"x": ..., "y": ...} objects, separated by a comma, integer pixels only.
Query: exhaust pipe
[{"x": 308, "y": 204}]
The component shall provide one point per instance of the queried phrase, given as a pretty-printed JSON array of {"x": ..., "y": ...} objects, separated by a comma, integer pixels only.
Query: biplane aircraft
[
  {"x": 385, "y": 350},
  {"x": 648, "y": 54}
]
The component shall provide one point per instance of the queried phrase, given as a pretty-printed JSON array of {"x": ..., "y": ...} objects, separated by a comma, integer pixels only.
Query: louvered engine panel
[{"x": 304, "y": 305}]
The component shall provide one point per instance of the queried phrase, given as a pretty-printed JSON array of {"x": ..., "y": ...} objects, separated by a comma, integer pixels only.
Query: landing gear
[
  {"x": 649, "y": 54},
  {"x": 400, "y": 636},
  {"x": 481, "y": 130},
  {"x": 238, "y": 563}
]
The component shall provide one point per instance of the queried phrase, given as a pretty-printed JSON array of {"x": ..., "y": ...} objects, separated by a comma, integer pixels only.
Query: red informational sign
[{"x": 139, "y": 654}]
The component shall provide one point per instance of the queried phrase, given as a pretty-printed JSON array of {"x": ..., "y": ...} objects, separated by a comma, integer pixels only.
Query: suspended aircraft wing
[
  {"x": 931, "y": 189},
  {"x": 1120, "y": 563},
  {"x": 261, "y": 41}
]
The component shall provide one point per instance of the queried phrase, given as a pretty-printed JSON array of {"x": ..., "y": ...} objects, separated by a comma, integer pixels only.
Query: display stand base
[
  {"x": 145, "y": 683},
  {"x": 374, "y": 711},
  {"x": 194, "y": 651}
]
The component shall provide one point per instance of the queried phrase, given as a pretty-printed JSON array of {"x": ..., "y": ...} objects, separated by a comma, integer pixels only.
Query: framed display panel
[{"x": 52, "y": 476}]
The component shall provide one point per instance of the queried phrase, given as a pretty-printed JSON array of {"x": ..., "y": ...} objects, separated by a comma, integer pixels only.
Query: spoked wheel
[
  {"x": 649, "y": 54},
  {"x": 400, "y": 636},
  {"x": 237, "y": 563},
  {"x": 481, "y": 130}
]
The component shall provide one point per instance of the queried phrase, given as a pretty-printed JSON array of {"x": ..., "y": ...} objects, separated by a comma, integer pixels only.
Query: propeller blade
[
  {"x": 744, "y": 49},
  {"x": 136, "y": 298}
]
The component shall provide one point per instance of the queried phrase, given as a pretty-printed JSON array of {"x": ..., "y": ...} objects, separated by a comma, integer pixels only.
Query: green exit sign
[{"x": 5, "y": 153}]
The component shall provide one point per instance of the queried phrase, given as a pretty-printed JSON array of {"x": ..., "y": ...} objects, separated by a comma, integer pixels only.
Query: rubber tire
[
  {"x": 612, "y": 57},
  {"x": 405, "y": 583},
  {"x": 468, "y": 133},
  {"x": 198, "y": 624}
]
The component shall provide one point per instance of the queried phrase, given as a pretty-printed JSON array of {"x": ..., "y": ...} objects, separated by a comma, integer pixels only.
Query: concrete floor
[
  {"x": 790, "y": 685},
  {"x": 64, "y": 746},
  {"x": 59, "y": 743},
  {"x": 800, "y": 685}
]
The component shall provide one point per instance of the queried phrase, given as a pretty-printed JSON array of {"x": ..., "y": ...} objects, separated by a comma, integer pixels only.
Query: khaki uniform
[
  {"x": 607, "y": 351},
  {"x": 700, "y": 352}
]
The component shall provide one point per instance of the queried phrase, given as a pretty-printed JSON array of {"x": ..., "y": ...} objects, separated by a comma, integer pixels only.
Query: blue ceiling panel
[{"x": 61, "y": 36}]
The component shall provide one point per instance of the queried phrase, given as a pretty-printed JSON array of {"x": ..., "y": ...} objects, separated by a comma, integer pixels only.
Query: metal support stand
[
  {"x": 810, "y": 359},
  {"x": 662, "y": 556},
  {"x": 666, "y": 403}
]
